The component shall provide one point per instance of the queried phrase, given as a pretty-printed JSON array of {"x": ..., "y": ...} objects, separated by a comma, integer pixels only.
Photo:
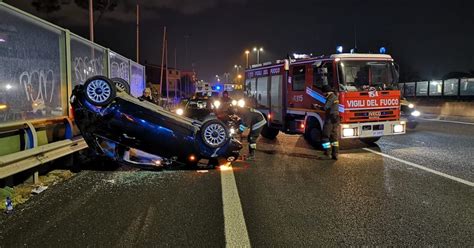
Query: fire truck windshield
[{"x": 356, "y": 75}]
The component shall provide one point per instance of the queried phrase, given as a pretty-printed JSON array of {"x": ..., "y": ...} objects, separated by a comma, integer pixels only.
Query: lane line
[
  {"x": 457, "y": 179},
  {"x": 236, "y": 234},
  {"x": 448, "y": 121}
]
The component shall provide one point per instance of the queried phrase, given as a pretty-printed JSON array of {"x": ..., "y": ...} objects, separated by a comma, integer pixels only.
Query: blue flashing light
[
  {"x": 218, "y": 87},
  {"x": 340, "y": 49},
  {"x": 383, "y": 50}
]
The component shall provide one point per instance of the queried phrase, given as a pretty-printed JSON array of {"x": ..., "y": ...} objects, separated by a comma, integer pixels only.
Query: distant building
[{"x": 180, "y": 83}]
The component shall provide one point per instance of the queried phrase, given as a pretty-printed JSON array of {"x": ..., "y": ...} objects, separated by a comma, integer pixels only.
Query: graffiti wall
[
  {"x": 137, "y": 80},
  {"x": 30, "y": 70},
  {"x": 87, "y": 60},
  {"x": 119, "y": 67},
  {"x": 34, "y": 72}
]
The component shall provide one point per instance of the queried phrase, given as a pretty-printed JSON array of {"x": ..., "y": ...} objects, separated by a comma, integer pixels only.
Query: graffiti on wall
[
  {"x": 85, "y": 67},
  {"x": 38, "y": 86},
  {"x": 120, "y": 70}
]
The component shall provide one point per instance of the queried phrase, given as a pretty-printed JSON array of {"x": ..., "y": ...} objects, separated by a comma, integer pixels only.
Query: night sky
[{"x": 430, "y": 38}]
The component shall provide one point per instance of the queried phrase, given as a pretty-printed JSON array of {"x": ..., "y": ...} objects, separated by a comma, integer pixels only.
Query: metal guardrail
[
  {"x": 35, "y": 155},
  {"x": 21, "y": 161},
  {"x": 26, "y": 153}
]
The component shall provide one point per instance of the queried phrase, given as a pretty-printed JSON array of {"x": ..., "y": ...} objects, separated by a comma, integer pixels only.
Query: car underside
[{"x": 113, "y": 123}]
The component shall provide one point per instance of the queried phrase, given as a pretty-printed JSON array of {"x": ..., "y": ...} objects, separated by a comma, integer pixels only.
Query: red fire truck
[{"x": 289, "y": 93}]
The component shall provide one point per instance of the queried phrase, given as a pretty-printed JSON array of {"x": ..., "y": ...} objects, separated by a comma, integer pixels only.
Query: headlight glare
[
  {"x": 416, "y": 113},
  {"x": 398, "y": 128},
  {"x": 241, "y": 103},
  {"x": 348, "y": 132}
]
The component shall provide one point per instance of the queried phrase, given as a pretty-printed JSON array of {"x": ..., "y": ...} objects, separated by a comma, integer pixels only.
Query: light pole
[
  {"x": 226, "y": 75},
  {"x": 258, "y": 50},
  {"x": 247, "y": 52},
  {"x": 237, "y": 68},
  {"x": 138, "y": 33},
  {"x": 91, "y": 20}
]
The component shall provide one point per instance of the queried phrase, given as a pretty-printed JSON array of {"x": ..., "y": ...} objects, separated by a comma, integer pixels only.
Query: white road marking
[
  {"x": 236, "y": 234},
  {"x": 448, "y": 121},
  {"x": 422, "y": 168}
]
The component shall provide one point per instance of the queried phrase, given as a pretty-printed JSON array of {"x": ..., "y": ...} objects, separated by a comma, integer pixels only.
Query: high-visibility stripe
[
  {"x": 321, "y": 98},
  {"x": 253, "y": 146},
  {"x": 335, "y": 143},
  {"x": 326, "y": 145},
  {"x": 259, "y": 124}
]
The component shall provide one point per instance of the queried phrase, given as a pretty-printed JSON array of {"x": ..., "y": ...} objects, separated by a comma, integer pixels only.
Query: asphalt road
[{"x": 419, "y": 193}]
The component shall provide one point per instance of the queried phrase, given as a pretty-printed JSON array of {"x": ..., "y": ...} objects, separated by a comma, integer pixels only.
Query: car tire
[
  {"x": 99, "y": 90},
  {"x": 370, "y": 141},
  {"x": 214, "y": 133},
  {"x": 121, "y": 84},
  {"x": 269, "y": 132}
]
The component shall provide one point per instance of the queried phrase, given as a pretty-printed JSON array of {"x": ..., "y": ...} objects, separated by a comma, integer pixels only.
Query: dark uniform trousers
[
  {"x": 255, "y": 121},
  {"x": 330, "y": 133}
]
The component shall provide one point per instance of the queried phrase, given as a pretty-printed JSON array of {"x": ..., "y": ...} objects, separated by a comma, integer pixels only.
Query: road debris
[{"x": 39, "y": 189}]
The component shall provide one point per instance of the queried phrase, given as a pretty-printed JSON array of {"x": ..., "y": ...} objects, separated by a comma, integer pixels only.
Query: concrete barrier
[{"x": 462, "y": 109}]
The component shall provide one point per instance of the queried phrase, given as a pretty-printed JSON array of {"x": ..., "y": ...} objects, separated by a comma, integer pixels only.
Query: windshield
[{"x": 361, "y": 75}]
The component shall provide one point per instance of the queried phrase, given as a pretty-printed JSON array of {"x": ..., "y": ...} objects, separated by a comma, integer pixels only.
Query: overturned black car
[{"x": 109, "y": 117}]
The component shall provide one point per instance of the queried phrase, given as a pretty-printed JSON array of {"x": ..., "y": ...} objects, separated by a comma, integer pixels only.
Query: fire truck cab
[{"x": 289, "y": 93}]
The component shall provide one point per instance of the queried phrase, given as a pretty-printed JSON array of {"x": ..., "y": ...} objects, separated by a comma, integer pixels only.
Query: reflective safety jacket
[
  {"x": 252, "y": 118},
  {"x": 332, "y": 105}
]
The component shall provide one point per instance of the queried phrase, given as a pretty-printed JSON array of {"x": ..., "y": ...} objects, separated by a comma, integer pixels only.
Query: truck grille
[{"x": 372, "y": 115}]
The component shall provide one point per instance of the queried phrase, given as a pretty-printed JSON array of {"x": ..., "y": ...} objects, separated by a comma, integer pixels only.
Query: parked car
[
  {"x": 409, "y": 112},
  {"x": 199, "y": 108},
  {"x": 109, "y": 117}
]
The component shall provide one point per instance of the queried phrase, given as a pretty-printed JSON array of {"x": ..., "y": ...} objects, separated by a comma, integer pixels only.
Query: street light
[
  {"x": 247, "y": 52},
  {"x": 237, "y": 68},
  {"x": 258, "y": 50}
]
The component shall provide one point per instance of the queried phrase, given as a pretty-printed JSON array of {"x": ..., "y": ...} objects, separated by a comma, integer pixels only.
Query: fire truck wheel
[
  {"x": 370, "y": 141},
  {"x": 269, "y": 133},
  {"x": 314, "y": 135}
]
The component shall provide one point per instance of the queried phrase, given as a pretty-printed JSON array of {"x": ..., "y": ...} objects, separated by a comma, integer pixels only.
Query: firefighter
[
  {"x": 254, "y": 120},
  {"x": 330, "y": 134},
  {"x": 225, "y": 99}
]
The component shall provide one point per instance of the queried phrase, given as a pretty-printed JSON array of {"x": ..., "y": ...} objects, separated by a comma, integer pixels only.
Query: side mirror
[{"x": 396, "y": 72}]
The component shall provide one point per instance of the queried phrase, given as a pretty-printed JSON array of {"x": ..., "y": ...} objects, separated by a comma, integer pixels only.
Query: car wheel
[
  {"x": 214, "y": 133},
  {"x": 99, "y": 90},
  {"x": 121, "y": 84}
]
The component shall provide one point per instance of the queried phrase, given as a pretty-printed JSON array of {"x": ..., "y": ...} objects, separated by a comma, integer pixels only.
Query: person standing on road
[
  {"x": 254, "y": 120},
  {"x": 147, "y": 95},
  {"x": 225, "y": 99},
  {"x": 330, "y": 134}
]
